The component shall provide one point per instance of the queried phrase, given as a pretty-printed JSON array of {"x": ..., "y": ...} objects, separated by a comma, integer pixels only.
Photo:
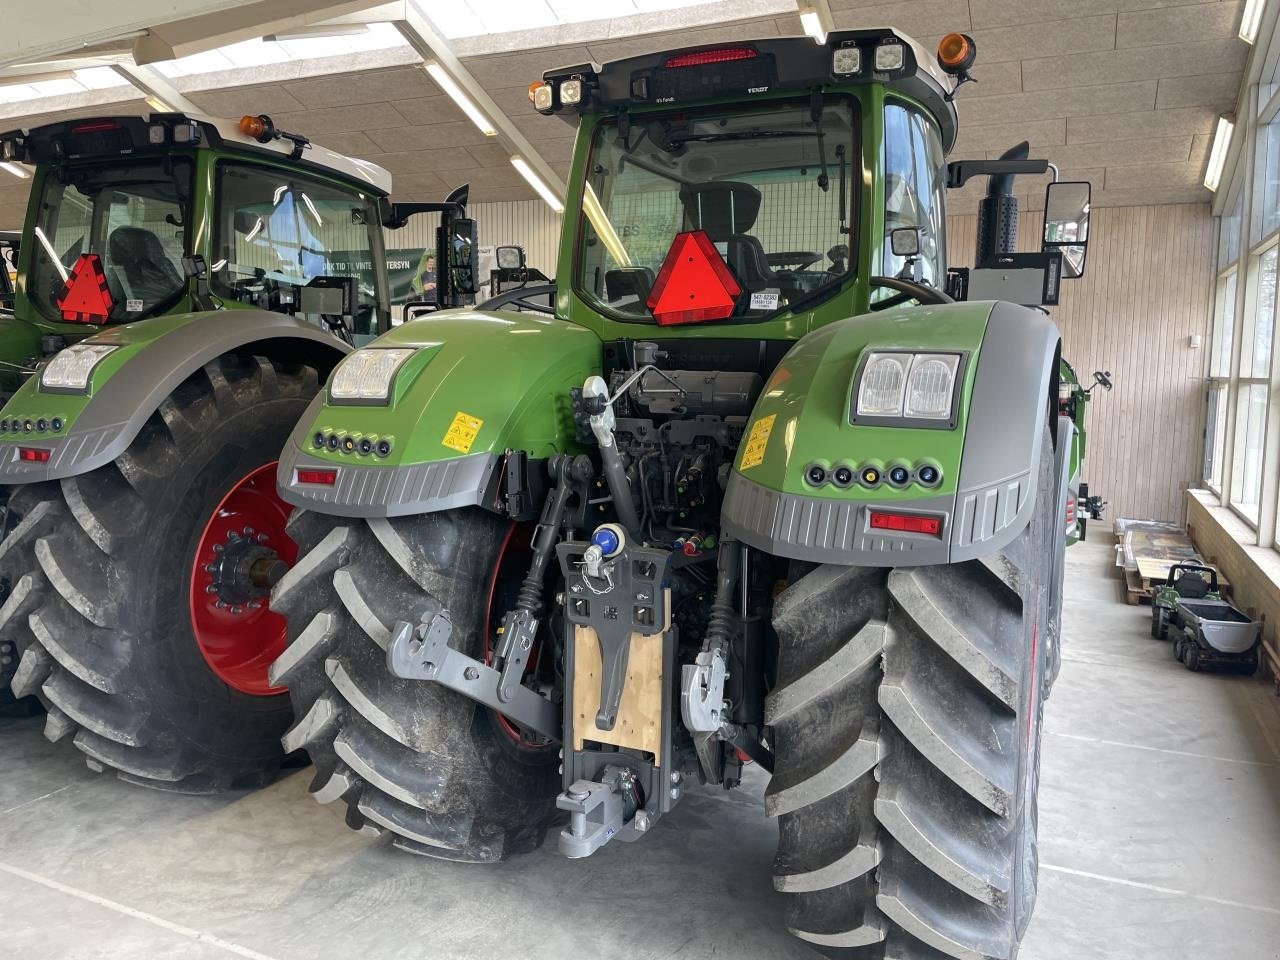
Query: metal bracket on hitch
[
  {"x": 421, "y": 651},
  {"x": 600, "y": 811},
  {"x": 615, "y": 598}
]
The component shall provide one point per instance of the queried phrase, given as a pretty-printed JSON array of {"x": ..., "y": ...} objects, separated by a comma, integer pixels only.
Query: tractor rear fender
[
  {"x": 986, "y": 452},
  {"x": 477, "y": 384},
  {"x": 151, "y": 359}
]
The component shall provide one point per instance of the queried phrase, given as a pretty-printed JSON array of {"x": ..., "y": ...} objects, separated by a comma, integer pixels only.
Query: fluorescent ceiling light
[
  {"x": 1250, "y": 19},
  {"x": 1218, "y": 153},
  {"x": 319, "y": 30},
  {"x": 16, "y": 169},
  {"x": 815, "y": 17},
  {"x": 456, "y": 94},
  {"x": 535, "y": 181}
]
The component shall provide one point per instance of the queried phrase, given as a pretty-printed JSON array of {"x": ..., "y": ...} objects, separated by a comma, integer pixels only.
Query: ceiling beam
[
  {"x": 421, "y": 34},
  {"x": 158, "y": 29},
  {"x": 155, "y": 87}
]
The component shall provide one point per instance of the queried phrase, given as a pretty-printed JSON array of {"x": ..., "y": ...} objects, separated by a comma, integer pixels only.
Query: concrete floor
[{"x": 1160, "y": 840}]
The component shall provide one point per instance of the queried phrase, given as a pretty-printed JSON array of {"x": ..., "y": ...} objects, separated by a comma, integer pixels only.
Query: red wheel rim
[
  {"x": 516, "y": 553},
  {"x": 237, "y": 633}
]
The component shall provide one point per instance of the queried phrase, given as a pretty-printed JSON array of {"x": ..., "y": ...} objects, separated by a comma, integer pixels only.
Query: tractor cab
[
  {"x": 133, "y": 218},
  {"x": 778, "y": 180}
]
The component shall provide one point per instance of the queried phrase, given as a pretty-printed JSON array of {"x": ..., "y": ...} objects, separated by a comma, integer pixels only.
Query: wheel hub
[
  {"x": 244, "y": 570},
  {"x": 242, "y": 553}
]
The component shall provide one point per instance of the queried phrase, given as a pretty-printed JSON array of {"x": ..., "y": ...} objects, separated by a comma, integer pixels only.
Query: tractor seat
[
  {"x": 1192, "y": 586},
  {"x": 137, "y": 261},
  {"x": 726, "y": 210}
]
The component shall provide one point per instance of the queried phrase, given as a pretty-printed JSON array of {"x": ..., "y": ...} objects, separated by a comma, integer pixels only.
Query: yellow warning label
[
  {"x": 753, "y": 453},
  {"x": 462, "y": 432}
]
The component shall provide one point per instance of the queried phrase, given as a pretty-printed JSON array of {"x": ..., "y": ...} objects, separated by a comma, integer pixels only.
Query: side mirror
[
  {"x": 1066, "y": 224},
  {"x": 905, "y": 241},
  {"x": 510, "y": 257},
  {"x": 464, "y": 258}
]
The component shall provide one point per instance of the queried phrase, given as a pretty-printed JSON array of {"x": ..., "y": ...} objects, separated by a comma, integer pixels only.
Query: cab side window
[
  {"x": 277, "y": 232},
  {"x": 915, "y": 178}
]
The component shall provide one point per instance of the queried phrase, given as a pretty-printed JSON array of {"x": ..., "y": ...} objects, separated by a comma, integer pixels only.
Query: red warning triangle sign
[
  {"x": 694, "y": 283},
  {"x": 85, "y": 297}
]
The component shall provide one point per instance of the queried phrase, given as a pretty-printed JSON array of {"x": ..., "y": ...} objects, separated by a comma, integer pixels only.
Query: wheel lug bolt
[
  {"x": 248, "y": 531},
  {"x": 221, "y": 604},
  {"x": 237, "y": 610},
  {"x": 211, "y": 588},
  {"x": 262, "y": 538},
  {"x": 217, "y": 548},
  {"x": 210, "y": 567}
]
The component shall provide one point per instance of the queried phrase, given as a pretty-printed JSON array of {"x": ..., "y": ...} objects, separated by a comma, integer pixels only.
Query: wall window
[
  {"x": 1246, "y": 477},
  {"x": 1215, "y": 435},
  {"x": 1224, "y": 327},
  {"x": 1266, "y": 187}
]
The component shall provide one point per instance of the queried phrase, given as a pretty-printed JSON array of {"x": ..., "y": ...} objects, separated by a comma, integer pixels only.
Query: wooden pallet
[{"x": 1136, "y": 589}]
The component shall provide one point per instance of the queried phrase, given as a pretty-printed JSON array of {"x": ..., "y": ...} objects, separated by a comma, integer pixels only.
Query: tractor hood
[{"x": 467, "y": 386}]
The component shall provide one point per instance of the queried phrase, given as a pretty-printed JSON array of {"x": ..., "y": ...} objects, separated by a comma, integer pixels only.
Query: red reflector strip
[
  {"x": 905, "y": 523},
  {"x": 700, "y": 57},
  {"x": 326, "y": 478},
  {"x": 1071, "y": 509},
  {"x": 33, "y": 454}
]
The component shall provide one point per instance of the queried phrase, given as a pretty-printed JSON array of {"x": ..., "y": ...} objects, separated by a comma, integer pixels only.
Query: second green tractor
[{"x": 756, "y": 489}]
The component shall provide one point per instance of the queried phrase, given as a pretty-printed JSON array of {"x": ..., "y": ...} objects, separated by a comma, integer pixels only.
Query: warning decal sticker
[
  {"x": 462, "y": 432},
  {"x": 753, "y": 452}
]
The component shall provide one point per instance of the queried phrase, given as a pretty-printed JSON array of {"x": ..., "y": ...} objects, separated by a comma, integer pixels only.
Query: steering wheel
[
  {"x": 907, "y": 290},
  {"x": 793, "y": 259}
]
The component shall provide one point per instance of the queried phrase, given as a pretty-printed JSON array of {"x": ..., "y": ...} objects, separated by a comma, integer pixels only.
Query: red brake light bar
[
  {"x": 905, "y": 523},
  {"x": 700, "y": 57},
  {"x": 33, "y": 454},
  {"x": 95, "y": 126},
  {"x": 325, "y": 478}
]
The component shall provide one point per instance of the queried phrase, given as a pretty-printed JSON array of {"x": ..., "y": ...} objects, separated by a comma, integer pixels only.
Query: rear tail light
[
  {"x": 701, "y": 57},
  {"x": 1071, "y": 509},
  {"x": 905, "y": 523},
  {"x": 33, "y": 455},
  {"x": 324, "y": 478}
]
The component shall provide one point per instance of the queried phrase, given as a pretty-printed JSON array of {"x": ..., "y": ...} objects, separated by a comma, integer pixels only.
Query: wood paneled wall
[{"x": 1146, "y": 291}]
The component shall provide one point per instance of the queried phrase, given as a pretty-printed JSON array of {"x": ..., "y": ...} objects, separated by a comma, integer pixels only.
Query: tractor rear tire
[
  {"x": 440, "y": 772},
  {"x": 906, "y": 724},
  {"x": 102, "y": 566}
]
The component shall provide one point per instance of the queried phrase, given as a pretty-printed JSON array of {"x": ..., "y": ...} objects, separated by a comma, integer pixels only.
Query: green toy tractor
[
  {"x": 184, "y": 287},
  {"x": 757, "y": 489},
  {"x": 9, "y": 243}
]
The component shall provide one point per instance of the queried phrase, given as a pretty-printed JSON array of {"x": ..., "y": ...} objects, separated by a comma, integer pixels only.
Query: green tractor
[
  {"x": 757, "y": 489},
  {"x": 184, "y": 287}
]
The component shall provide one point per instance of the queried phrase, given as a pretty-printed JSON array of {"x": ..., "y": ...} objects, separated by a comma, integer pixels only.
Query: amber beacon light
[{"x": 956, "y": 53}]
